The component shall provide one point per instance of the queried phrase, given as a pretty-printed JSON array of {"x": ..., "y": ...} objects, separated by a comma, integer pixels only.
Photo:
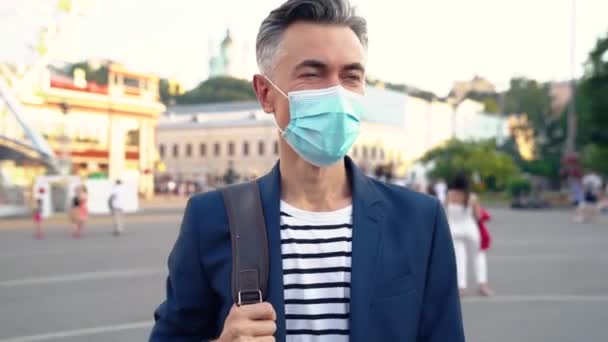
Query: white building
[
  {"x": 198, "y": 142},
  {"x": 471, "y": 123}
]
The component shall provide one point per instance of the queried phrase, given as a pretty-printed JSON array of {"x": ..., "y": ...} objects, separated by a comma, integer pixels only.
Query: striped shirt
[{"x": 316, "y": 248}]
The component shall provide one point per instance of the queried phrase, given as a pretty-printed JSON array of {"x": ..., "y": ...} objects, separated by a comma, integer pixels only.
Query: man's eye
[
  {"x": 308, "y": 75},
  {"x": 352, "y": 77}
]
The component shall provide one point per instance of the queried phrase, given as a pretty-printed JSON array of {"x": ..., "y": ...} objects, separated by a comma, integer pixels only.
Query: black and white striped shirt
[{"x": 316, "y": 248}]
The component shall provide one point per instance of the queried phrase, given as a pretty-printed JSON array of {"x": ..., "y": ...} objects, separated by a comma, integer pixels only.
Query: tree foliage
[
  {"x": 491, "y": 106},
  {"x": 163, "y": 91},
  {"x": 489, "y": 100},
  {"x": 592, "y": 105},
  {"x": 219, "y": 89},
  {"x": 493, "y": 166},
  {"x": 99, "y": 75},
  {"x": 527, "y": 96}
]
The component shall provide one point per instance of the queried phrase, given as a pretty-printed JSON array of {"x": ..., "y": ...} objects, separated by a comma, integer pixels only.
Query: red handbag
[{"x": 486, "y": 239}]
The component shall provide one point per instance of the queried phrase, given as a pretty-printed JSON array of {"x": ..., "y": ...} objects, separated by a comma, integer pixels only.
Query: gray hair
[{"x": 332, "y": 12}]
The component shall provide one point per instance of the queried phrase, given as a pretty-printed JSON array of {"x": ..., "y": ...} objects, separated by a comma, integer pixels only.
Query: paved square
[{"x": 551, "y": 278}]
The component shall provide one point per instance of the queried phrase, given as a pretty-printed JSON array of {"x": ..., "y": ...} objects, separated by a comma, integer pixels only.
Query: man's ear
[{"x": 262, "y": 92}]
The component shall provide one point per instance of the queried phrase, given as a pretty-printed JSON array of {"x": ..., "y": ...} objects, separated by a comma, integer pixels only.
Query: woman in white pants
[{"x": 462, "y": 210}]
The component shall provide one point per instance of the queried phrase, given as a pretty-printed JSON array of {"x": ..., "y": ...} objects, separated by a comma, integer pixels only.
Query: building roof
[
  {"x": 382, "y": 106},
  {"x": 193, "y": 124},
  {"x": 213, "y": 108}
]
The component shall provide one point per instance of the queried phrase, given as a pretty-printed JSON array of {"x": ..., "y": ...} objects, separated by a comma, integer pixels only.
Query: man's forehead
[{"x": 332, "y": 45}]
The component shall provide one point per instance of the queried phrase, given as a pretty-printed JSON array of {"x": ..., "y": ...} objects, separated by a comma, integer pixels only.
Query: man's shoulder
[
  {"x": 206, "y": 210},
  {"x": 206, "y": 200}
]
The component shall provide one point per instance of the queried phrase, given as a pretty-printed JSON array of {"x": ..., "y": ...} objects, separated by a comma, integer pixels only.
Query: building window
[
  {"x": 364, "y": 152},
  {"x": 230, "y": 148},
  {"x": 245, "y": 148},
  {"x": 161, "y": 150},
  {"x": 189, "y": 150},
  {"x": 276, "y": 148},
  {"x": 381, "y": 153},
  {"x": 202, "y": 149},
  {"x": 131, "y": 82},
  {"x": 132, "y": 137},
  {"x": 261, "y": 147},
  {"x": 216, "y": 149},
  {"x": 175, "y": 150},
  {"x": 374, "y": 152},
  {"x": 355, "y": 151}
]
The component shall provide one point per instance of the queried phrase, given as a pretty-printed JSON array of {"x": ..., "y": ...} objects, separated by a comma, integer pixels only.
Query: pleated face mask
[{"x": 324, "y": 123}]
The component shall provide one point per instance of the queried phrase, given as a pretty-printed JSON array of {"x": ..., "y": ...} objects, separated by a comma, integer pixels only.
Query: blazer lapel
[
  {"x": 270, "y": 192},
  {"x": 367, "y": 222}
]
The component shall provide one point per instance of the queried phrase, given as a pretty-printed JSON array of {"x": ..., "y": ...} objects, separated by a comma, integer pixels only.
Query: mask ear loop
[
  {"x": 277, "y": 125},
  {"x": 275, "y": 87},
  {"x": 274, "y": 120}
]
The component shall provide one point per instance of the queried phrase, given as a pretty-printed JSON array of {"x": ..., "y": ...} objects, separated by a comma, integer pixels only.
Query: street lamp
[
  {"x": 570, "y": 147},
  {"x": 65, "y": 157}
]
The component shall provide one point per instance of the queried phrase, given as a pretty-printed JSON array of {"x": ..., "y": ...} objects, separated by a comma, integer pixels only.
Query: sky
[{"x": 424, "y": 43}]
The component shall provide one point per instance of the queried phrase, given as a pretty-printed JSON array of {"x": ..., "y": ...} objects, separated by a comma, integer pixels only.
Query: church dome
[{"x": 227, "y": 40}]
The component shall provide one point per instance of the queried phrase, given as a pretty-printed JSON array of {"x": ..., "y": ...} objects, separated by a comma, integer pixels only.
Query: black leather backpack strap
[{"x": 249, "y": 243}]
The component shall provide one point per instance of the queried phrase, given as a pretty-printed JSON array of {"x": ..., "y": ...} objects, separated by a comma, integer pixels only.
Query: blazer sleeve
[
  {"x": 189, "y": 312},
  {"x": 441, "y": 318}
]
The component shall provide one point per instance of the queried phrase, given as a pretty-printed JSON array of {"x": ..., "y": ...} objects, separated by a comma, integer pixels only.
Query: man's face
[{"x": 312, "y": 56}]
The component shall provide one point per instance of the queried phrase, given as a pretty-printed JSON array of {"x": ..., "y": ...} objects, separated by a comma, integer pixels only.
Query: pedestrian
[
  {"x": 441, "y": 190},
  {"x": 588, "y": 207},
  {"x": 79, "y": 212},
  {"x": 602, "y": 205},
  {"x": 181, "y": 189},
  {"x": 464, "y": 211},
  {"x": 576, "y": 191},
  {"x": 350, "y": 258},
  {"x": 38, "y": 212},
  {"x": 171, "y": 186},
  {"x": 430, "y": 189},
  {"x": 116, "y": 203},
  {"x": 230, "y": 176}
]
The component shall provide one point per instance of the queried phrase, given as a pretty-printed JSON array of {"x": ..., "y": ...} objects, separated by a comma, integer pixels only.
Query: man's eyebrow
[
  {"x": 310, "y": 63},
  {"x": 354, "y": 66}
]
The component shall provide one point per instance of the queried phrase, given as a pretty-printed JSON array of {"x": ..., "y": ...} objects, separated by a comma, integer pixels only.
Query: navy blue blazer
[{"x": 403, "y": 280}]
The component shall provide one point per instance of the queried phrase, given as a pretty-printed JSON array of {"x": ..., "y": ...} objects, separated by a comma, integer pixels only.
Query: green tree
[
  {"x": 526, "y": 96},
  {"x": 219, "y": 89},
  {"x": 592, "y": 104},
  {"x": 532, "y": 98},
  {"x": 490, "y": 105},
  {"x": 489, "y": 100},
  {"x": 99, "y": 75},
  {"x": 163, "y": 91},
  {"x": 494, "y": 167}
]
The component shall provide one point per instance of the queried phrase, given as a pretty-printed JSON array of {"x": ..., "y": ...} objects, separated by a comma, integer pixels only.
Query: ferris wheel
[{"x": 54, "y": 38}]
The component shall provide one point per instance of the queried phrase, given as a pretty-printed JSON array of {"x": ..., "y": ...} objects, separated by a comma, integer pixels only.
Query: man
[
  {"x": 116, "y": 202},
  {"x": 351, "y": 258},
  {"x": 230, "y": 177}
]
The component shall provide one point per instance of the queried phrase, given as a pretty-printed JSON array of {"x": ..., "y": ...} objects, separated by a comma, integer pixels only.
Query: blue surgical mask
[{"x": 324, "y": 123}]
